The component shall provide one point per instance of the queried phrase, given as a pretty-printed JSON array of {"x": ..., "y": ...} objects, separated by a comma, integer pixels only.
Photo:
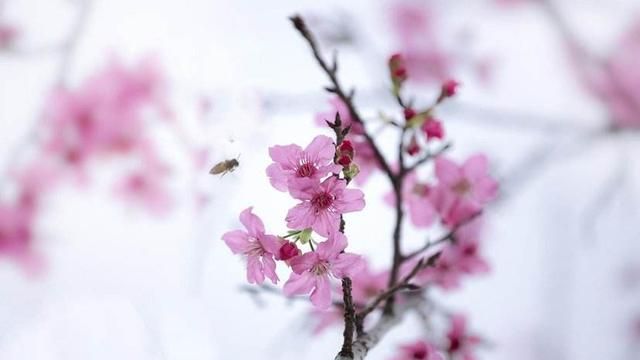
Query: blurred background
[{"x": 110, "y": 235}]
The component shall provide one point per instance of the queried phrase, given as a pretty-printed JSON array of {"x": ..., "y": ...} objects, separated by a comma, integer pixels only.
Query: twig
[{"x": 336, "y": 88}]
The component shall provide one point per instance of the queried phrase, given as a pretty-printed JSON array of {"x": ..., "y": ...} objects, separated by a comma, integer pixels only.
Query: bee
[{"x": 224, "y": 167}]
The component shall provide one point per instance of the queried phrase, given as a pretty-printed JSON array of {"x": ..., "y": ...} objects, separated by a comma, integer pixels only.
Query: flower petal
[
  {"x": 250, "y": 221},
  {"x": 299, "y": 284},
  {"x": 236, "y": 240}
]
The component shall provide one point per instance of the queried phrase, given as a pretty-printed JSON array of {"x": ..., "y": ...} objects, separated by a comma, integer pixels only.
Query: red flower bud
[
  {"x": 449, "y": 88},
  {"x": 346, "y": 146},
  {"x": 344, "y": 160},
  {"x": 288, "y": 250},
  {"x": 433, "y": 129},
  {"x": 409, "y": 113},
  {"x": 413, "y": 148}
]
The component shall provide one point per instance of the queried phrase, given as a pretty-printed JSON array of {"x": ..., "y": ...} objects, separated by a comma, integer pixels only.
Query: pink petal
[
  {"x": 270, "y": 268},
  {"x": 303, "y": 263},
  {"x": 325, "y": 223},
  {"x": 447, "y": 171},
  {"x": 236, "y": 240},
  {"x": 321, "y": 149},
  {"x": 255, "y": 274},
  {"x": 351, "y": 200},
  {"x": 250, "y": 221},
  {"x": 270, "y": 243},
  {"x": 300, "y": 216},
  {"x": 285, "y": 155},
  {"x": 321, "y": 295},
  {"x": 299, "y": 284},
  {"x": 277, "y": 177},
  {"x": 476, "y": 167},
  {"x": 347, "y": 265}
]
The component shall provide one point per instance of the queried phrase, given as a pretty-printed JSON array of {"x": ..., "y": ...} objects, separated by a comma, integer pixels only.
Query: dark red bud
[
  {"x": 288, "y": 251},
  {"x": 409, "y": 113},
  {"x": 344, "y": 160}
]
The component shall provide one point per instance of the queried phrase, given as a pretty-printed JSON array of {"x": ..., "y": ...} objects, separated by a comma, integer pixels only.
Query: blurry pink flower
[
  {"x": 367, "y": 284},
  {"x": 322, "y": 204},
  {"x": 420, "y": 350},
  {"x": 147, "y": 189},
  {"x": 312, "y": 272},
  {"x": 424, "y": 58},
  {"x": 8, "y": 35},
  {"x": 292, "y": 162},
  {"x": 105, "y": 113},
  {"x": 617, "y": 81},
  {"x": 462, "y": 190},
  {"x": 16, "y": 237},
  {"x": 433, "y": 129},
  {"x": 460, "y": 342},
  {"x": 258, "y": 247},
  {"x": 446, "y": 272},
  {"x": 418, "y": 197}
]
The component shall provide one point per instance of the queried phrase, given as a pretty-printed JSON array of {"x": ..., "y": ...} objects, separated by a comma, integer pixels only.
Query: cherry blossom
[
  {"x": 322, "y": 204},
  {"x": 417, "y": 196},
  {"x": 462, "y": 190},
  {"x": 313, "y": 271},
  {"x": 258, "y": 248},
  {"x": 292, "y": 162}
]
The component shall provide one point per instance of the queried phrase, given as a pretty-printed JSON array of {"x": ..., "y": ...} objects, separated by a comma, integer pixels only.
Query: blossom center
[
  {"x": 320, "y": 268},
  {"x": 306, "y": 170},
  {"x": 421, "y": 190},
  {"x": 462, "y": 187},
  {"x": 322, "y": 201},
  {"x": 254, "y": 248},
  {"x": 420, "y": 354}
]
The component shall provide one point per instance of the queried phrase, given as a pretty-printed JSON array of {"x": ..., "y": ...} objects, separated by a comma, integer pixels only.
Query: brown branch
[
  {"x": 349, "y": 319},
  {"x": 337, "y": 89}
]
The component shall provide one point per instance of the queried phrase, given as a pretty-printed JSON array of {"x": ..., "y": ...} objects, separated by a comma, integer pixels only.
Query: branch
[
  {"x": 367, "y": 341},
  {"x": 336, "y": 88},
  {"x": 349, "y": 319}
]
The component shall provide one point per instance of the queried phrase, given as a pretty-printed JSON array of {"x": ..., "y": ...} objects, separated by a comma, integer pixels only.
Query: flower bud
[
  {"x": 449, "y": 88},
  {"x": 409, "y": 113},
  {"x": 413, "y": 148},
  {"x": 344, "y": 160},
  {"x": 288, "y": 250},
  {"x": 433, "y": 129}
]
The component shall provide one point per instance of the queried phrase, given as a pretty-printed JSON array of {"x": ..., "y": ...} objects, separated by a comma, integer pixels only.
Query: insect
[{"x": 225, "y": 166}]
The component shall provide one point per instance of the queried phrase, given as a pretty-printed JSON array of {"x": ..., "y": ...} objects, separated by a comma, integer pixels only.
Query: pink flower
[
  {"x": 462, "y": 190},
  {"x": 322, "y": 204},
  {"x": 16, "y": 237},
  {"x": 418, "y": 198},
  {"x": 292, "y": 162},
  {"x": 446, "y": 272},
  {"x": 433, "y": 129},
  {"x": 105, "y": 114},
  {"x": 460, "y": 342},
  {"x": 312, "y": 272},
  {"x": 418, "y": 350},
  {"x": 8, "y": 35},
  {"x": 368, "y": 283},
  {"x": 258, "y": 248},
  {"x": 424, "y": 57}
]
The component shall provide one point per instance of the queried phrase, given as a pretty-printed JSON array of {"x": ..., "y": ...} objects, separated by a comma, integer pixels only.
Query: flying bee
[{"x": 224, "y": 167}]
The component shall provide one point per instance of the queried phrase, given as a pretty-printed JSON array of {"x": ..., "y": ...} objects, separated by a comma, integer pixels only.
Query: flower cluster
[
  {"x": 103, "y": 117},
  {"x": 311, "y": 176}
]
